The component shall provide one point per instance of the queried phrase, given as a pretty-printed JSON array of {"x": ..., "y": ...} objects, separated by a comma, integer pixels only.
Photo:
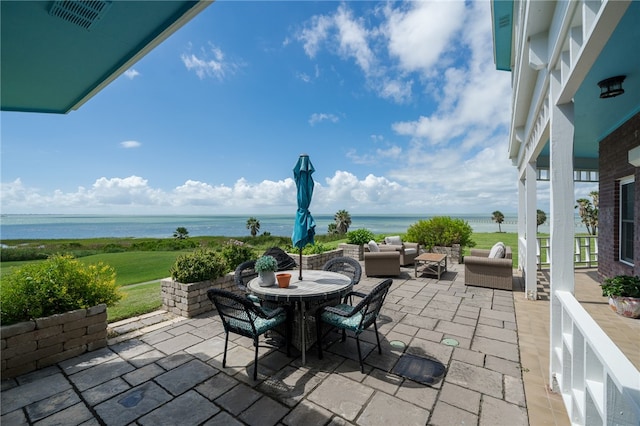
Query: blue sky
[{"x": 398, "y": 105}]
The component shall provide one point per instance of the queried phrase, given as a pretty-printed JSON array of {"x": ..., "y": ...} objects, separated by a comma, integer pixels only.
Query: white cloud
[
  {"x": 131, "y": 73},
  {"x": 320, "y": 117},
  {"x": 210, "y": 62},
  {"x": 130, "y": 144},
  {"x": 420, "y": 32},
  {"x": 135, "y": 195}
]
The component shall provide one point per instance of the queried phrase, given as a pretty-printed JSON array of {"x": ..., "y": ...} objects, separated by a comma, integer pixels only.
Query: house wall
[{"x": 614, "y": 165}]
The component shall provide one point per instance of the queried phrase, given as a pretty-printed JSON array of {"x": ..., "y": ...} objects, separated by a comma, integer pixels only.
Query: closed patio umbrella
[{"x": 305, "y": 227}]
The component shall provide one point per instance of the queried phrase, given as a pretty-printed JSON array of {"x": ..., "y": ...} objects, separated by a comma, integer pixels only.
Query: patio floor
[{"x": 451, "y": 354}]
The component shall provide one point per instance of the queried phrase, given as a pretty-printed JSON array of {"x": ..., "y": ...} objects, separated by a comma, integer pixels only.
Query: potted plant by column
[
  {"x": 624, "y": 295},
  {"x": 266, "y": 267}
]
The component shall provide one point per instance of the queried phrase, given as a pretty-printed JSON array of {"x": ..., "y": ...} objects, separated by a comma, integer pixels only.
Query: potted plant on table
[
  {"x": 624, "y": 295},
  {"x": 266, "y": 267}
]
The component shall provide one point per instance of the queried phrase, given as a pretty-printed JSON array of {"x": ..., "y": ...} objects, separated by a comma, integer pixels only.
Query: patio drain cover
[
  {"x": 397, "y": 344},
  {"x": 450, "y": 342},
  {"x": 423, "y": 370}
]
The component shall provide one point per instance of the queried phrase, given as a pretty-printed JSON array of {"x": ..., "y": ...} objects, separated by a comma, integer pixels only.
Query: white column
[
  {"x": 522, "y": 225},
  {"x": 562, "y": 210},
  {"x": 531, "y": 265}
]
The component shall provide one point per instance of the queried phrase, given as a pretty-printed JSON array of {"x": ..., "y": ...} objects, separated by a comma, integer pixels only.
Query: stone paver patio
[{"x": 449, "y": 356}]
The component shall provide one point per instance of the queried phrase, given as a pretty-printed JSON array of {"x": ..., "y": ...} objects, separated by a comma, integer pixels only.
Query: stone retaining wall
[
  {"x": 190, "y": 300},
  {"x": 315, "y": 261},
  {"x": 31, "y": 345},
  {"x": 454, "y": 253},
  {"x": 354, "y": 251}
]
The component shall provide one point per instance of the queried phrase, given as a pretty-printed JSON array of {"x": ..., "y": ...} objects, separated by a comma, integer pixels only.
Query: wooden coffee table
[{"x": 432, "y": 263}]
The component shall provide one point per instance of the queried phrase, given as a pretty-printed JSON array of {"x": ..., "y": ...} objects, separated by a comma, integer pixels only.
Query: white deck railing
[
  {"x": 598, "y": 383},
  {"x": 585, "y": 254}
]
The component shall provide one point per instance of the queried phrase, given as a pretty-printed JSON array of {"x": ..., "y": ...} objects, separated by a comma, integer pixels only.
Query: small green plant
[
  {"x": 235, "y": 252},
  {"x": 200, "y": 265},
  {"x": 266, "y": 263},
  {"x": 441, "y": 231},
  {"x": 359, "y": 236},
  {"x": 57, "y": 285},
  {"x": 622, "y": 286}
]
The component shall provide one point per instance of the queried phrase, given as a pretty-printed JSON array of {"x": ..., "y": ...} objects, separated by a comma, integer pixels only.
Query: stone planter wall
[
  {"x": 31, "y": 345},
  {"x": 315, "y": 261},
  {"x": 454, "y": 253},
  {"x": 190, "y": 300},
  {"x": 354, "y": 251}
]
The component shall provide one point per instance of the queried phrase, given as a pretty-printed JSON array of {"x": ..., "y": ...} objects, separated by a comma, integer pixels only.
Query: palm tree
[
  {"x": 181, "y": 233},
  {"x": 498, "y": 217},
  {"x": 253, "y": 225},
  {"x": 343, "y": 221},
  {"x": 589, "y": 212},
  {"x": 541, "y": 218}
]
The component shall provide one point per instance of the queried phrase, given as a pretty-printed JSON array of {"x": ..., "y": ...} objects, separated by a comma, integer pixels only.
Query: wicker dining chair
[
  {"x": 346, "y": 266},
  {"x": 244, "y": 273},
  {"x": 241, "y": 316},
  {"x": 354, "y": 318}
]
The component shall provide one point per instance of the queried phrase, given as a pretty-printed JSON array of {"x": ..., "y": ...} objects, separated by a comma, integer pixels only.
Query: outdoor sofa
[{"x": 482, "y": 269}]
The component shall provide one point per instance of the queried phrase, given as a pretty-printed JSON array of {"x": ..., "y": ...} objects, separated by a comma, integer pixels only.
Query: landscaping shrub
[
  {"x": 200, "y": 265},
  {"x": 15, "y": 254},
  {"x": 170, "y": 244},
  {"x": 59, "y": 284},
  {"x": 316, "y": 248},
  {"x": 359, "y": 236},
  {"x": 441, "y": 231},
  {"x": 235, "y": 252}
]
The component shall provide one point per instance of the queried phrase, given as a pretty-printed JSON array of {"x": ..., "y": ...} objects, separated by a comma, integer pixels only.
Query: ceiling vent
[{"x": 83, "y": 13}]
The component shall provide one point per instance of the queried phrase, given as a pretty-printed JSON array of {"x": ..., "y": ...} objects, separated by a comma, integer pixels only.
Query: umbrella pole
[{"x": 300, "y": 263}]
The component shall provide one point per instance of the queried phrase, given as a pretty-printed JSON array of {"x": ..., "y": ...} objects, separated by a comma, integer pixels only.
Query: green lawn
[
  {"x": 138, "y": 299},
  {"x": 131, "y": 267}
]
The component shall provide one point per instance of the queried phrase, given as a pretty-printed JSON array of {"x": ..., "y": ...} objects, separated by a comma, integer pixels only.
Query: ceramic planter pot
[
  {"x": 283, "y": 280},
  {"x": 626, "y": 306},
  {"x": 266, "y": 278}
]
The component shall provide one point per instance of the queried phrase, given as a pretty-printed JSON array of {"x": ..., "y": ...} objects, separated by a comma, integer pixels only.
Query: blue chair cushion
[
  {"x": 261, "y": 324},
  {"x": 349, "y": 323}
]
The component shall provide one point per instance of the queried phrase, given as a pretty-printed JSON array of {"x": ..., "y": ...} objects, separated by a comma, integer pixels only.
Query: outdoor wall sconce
[{"x": 611, "y": 87}]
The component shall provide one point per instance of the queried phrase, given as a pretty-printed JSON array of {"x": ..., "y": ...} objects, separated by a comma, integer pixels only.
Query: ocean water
[{"x": 97, "y": 226}]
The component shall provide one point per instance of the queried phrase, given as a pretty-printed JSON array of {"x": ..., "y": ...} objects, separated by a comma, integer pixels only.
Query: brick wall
[
  {"x": 614, "y": 165},
  {"x": 189, "y": 300},
  {"x": 31, "y": 345}
]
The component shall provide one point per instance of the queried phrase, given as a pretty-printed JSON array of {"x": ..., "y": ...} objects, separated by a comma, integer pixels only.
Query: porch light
[{"x": 611, "y": 87}]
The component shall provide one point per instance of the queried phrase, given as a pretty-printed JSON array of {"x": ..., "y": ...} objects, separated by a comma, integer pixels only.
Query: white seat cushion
[
  {"x": 394, "y": 241},
  {"x": 497, "y": 251},
  {"x": 373, "y": 247},
  {"x": 410, "y": 251}
]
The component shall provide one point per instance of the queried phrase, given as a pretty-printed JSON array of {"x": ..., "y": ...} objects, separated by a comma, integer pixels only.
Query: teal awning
[{"x": 502, "y": 17}]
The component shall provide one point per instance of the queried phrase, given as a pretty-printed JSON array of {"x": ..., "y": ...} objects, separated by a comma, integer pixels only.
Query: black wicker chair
[
  {"x": 345, "y": 266},
  {"x": 244, "y": 273},
  {"x": 241, "y": 316},
  {"x": 355, "y": 318}
]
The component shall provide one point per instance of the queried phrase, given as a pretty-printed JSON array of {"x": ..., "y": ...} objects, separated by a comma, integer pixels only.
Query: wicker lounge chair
[
  {"x": 482, "y": 271},
  {"x": 408, "y": 251}
]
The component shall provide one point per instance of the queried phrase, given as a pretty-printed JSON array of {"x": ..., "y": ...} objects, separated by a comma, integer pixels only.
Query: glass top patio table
[{"x": 314, "y": 286}]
